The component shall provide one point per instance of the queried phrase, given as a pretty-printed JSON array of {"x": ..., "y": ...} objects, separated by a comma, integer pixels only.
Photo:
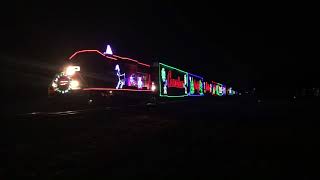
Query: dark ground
[{"x": 198, "y": 138}]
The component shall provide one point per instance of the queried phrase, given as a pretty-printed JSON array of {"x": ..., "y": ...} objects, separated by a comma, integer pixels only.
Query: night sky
[{"x": 267, "y": 46}]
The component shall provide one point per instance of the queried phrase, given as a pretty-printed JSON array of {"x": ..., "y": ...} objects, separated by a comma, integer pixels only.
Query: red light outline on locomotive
[
  {"x": 112, "y": 89},
  {"x": 113, "y": 58}
]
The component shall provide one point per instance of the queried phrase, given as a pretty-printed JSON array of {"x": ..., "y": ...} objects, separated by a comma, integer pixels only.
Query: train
[{"x": 94, "y": 74}]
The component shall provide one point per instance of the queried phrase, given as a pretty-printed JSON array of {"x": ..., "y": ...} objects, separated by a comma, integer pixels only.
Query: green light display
[
  {"x": 172, "y": 81},
  {"x": 191, "y": 86},
  {"x": 200, "y": 87}
]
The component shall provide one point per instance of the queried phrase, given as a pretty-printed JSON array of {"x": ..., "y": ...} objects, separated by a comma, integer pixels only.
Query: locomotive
[{"x": 92, "y": 73}]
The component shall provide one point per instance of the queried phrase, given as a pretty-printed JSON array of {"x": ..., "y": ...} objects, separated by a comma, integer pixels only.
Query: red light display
[
  {"x": 114, "y": 57},
  {"x": 91, "y": 50},
  {"x": 112, "y": 89},
  {"x": 132, "y": 60},
  {"x": 207, "y": 87},
  {"x": 176, "y": 83},
  {"x": 196, "y": 85}
]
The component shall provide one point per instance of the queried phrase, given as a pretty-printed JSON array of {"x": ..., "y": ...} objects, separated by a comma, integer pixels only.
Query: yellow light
[{"x": 74, "y": 84}]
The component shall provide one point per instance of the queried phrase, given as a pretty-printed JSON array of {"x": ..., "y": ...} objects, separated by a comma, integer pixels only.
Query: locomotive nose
[{"x": 66, "y": 81}]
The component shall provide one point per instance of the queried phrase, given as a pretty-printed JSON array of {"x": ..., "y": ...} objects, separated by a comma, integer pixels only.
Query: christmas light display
[
  {"x": 121, "y": 77},
  {"x": 111, "y": 57},
  {"x": 191, "y": 86},
  {"x": 195, "y": 85},
  {"x": 201, "y": 87},
  {"x": 224, "y": 90},
  {"x": 207, "y": 87},
  {"x": 61, "y": 83},
  {"x": 114, "y": 89},
  {"x": 132, "y": 81},
  {"x": 91, "y": 51},
  {"x": 214, "y": 87},
  {"x": 172, "y": 81},
  {"x": 108, "y": 50},
  {"x": 218, "y": 89},
  {"x": 140, "y": 84},
  {"x": 129, "y": 59},
  {"x": 119, "y": 73},
  {"x": 231, "y": 92}
]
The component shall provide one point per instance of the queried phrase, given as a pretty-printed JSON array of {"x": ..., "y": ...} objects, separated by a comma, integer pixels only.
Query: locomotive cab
[{"x": 92, "y": 73}]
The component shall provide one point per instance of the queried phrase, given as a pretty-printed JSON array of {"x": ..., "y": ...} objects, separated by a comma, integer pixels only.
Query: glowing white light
[
  {"x": 153, "y": 88},
  {"x": 108, "y": 50},
  {"x": 140, "y": 84},
  {"x": 54, "y": 85},
  {"x": 121, "y": 77},
  {"x": 74, "y": 84},
  {"x": 70, "y": 70}
]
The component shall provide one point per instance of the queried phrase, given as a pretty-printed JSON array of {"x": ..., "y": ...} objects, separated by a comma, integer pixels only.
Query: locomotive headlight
[
  {"x": 153, "y": 87},
  {"x": 71, "y": 70},
  {"x": 74, "y": 84}
]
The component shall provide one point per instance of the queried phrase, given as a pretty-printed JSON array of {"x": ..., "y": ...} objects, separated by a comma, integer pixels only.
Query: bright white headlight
[
  {"x": 74, "y": 84},
  {"x": 70, "y": 70}
]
